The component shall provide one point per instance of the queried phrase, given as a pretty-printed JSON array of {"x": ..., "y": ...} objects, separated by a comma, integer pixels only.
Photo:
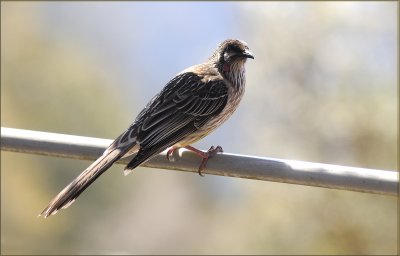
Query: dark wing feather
[{"x": 184, "y": 105}]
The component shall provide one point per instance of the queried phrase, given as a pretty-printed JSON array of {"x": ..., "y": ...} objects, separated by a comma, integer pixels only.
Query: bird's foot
[
  {"x": 205, "y": 155},
  {"x": 170, "y": 153}
]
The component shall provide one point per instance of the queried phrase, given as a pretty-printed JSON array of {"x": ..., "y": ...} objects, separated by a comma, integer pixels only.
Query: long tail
[{"x": 68, "y": 195}]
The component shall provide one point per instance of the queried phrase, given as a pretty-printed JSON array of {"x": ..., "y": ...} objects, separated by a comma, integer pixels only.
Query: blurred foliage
[
  {"x": 322, "y": 88},
  {"x": 324, "y": 82}
]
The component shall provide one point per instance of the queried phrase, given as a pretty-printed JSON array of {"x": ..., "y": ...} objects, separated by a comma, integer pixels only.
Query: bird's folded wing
[{"x": 184, "y": 105}]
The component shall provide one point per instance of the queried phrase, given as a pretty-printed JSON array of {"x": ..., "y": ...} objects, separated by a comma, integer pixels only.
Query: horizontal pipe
[{"x": 223, "y": 164}]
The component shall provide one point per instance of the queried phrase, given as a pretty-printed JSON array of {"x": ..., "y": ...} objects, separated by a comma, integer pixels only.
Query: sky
[{"x": 124, "y": 34}]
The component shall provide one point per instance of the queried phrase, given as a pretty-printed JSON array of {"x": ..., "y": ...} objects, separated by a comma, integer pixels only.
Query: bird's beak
[{"x": 247, "y": 54}]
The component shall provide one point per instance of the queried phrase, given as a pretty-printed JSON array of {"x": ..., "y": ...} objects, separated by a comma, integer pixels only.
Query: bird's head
[
  {"x": 230, "y": 56},
  {"x": 232, "y": 50}
]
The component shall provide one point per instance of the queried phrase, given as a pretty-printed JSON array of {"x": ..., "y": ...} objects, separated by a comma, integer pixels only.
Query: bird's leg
[
  {"x": 205, "y": 155},
  {"x": 171, "y": 151}
]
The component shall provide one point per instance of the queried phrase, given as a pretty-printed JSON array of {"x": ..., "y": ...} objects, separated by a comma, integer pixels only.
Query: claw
[
  {"x": 210, "y": 153},
  {"x": 171, "y": 151}
]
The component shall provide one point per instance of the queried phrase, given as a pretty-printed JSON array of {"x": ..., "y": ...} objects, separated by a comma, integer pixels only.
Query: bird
[{"x": 190, "y": 106}]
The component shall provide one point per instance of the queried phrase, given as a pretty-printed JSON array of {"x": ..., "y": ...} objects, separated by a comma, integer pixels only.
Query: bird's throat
[{"x": 226, "y": 67}]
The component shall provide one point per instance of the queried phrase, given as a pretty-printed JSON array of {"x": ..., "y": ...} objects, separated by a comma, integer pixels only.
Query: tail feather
[
  {"x": 141, "y": 156},
  {"x": 69, "y": 194}
]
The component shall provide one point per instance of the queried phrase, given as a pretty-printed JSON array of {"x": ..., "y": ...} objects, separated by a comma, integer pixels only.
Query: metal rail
[{"x": 224, "y": 164}]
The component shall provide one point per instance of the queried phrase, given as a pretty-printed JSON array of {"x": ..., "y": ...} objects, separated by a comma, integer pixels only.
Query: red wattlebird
[{"x": 194, "y": 103}]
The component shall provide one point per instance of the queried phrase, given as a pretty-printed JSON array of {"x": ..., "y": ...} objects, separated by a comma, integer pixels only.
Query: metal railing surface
[{"x": 224, "y": 164}]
